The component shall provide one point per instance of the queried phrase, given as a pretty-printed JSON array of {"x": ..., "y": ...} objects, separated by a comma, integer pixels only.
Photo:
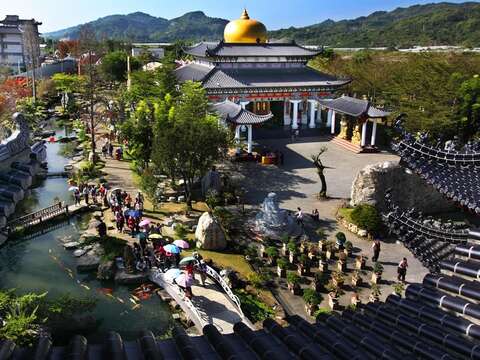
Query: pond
[{"x": 42, "y": 264}]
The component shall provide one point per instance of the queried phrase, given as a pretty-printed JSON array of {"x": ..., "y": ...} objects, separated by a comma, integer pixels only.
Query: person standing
[
  {"x": 376, "y": 250},
  {"x": 299, "y": 217},
  {"x": 86, "y": 194},
  {"x": 402, "y": 270}
]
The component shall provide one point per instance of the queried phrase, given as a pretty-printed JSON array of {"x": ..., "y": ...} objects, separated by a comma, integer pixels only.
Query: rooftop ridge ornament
[{"x": 244, "y": 15}]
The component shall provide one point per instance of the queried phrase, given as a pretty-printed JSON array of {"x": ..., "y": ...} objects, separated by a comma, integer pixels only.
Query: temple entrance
[{"x": 277, "y": 109}]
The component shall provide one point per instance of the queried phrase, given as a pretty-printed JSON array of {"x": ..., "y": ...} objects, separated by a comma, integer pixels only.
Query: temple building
[{"x": 270, "y": 81}]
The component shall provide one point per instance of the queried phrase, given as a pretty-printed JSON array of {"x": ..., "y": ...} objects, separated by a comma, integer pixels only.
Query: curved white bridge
[{"x": 213, "y": 303}]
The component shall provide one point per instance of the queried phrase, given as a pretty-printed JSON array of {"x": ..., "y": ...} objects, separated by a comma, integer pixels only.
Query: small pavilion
[
  {"x": 356, "y": 114},
  {"x": 237, "y": 116}
]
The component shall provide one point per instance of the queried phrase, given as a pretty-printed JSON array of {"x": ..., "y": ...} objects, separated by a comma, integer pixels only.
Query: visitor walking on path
[
  {"x": 402, "y": 270},
  {"x": 376, "y": 250},
  {"x": 299, "y": 217}
]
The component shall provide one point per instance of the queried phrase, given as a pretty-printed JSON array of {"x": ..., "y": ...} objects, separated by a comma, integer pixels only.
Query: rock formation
[
  {"x": 209, "y": 233},
  {"x": 408, "y": 190}
]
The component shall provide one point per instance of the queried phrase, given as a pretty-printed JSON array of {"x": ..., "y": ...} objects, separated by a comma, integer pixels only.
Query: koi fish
[
  {"x": 121, "y": 300},
  {"x": 133, "y": 301},
  {"x": 85, "y": 286},
  {"x": 105, "y": 291},
  {"x": 135, "y": 298},
  {"x": 110, "y": 295},
  {"x": 135, "y": 307}
]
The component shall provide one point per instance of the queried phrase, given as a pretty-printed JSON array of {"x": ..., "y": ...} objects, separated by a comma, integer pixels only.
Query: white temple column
[
  {"x": 249, "y": 139},
  {"x": 374, "y": 132},
  {"x": 312, "y": 103},
  {"x": 333, "y": 123},
  {"x": 304, "y": 117},
  {"x": 237, "y": 138},
  {"x": 364, "y": 134},
  {"x": 244, "y": 103},
  {"x": 295, "y": 113},
  {"x": 286, "y": 113},
  {"x": 329, "y": 117}
]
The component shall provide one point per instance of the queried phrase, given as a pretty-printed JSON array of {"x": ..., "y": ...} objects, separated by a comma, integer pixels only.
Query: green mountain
[
  {"x": 431, "y": 24},
  {"x": 143, "y": 27}
]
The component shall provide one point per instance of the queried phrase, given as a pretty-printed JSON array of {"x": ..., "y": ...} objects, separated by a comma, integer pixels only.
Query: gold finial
[{"x": 245, "y": 15}]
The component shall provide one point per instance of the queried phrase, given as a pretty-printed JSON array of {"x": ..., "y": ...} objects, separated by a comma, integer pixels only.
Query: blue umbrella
[
  {"x": 172, "y": 249},
  {"x": 133, "y": 213}
]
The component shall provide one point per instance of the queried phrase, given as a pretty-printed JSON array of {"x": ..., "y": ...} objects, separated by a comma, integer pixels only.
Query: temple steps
[{"x": 346, "y": 145}]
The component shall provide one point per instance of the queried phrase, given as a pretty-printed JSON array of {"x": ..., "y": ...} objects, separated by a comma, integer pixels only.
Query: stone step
[{"x": 346, "y": 145}]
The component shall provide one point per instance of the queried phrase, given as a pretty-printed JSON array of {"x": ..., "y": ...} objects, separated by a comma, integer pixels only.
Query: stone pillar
[
  {"x": 244, "y": 103},
  {"x": 237, "y": 138},
  {"x": 374, "y": 132},
  {"x": 295, "y": 113},
  {"x": 329, "y": 117},
  {"x": 286, "y": 113},
  {"x": 333, "y": 123},
  {"x": 312, "y": 103},
  {"x": 364, "y": 134},
  {"x": 249, "y": 139}
]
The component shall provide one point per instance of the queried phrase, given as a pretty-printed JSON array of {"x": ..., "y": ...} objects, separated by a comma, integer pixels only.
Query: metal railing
[
  {"x": 37, "y": 217},
  {"x": 212, "y": 273}
]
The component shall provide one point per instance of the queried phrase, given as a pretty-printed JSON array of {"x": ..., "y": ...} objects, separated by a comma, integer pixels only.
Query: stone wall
[{"x": 408, "y": 189}]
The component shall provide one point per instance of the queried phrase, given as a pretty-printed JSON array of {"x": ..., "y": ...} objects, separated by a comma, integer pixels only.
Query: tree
[
  {"x": 188, "y": 139},
  {"x": 320, "y": 168},
  {"x": 469, "y": 95},
  {"x": 114, "y": 66},
  {"x": 31, "y": 43},
  {"x": 68, "y": 48},
  {"x": 68, "y": 84}
]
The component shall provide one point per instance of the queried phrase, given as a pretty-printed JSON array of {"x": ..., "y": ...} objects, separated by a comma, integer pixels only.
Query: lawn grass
[
  {"x": 236, "y": 262},
  {"x": 346, "y": 213}
]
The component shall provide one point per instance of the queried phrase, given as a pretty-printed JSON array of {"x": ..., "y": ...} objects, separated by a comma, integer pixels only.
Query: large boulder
[
  {"x": 124, "y": 278},
  {"x": 209, "y": 233},
  {"x": 106, "y": 270},
  {"x": 408, "y": 189},
  {"x": 91, "y": 260}
]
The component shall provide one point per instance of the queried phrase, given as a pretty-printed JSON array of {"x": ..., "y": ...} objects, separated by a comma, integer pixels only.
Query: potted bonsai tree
[
  {"x": 360, "y": 262},
  {"x": 342, "y": 262},
  {"x": 293, "y": 282},
  {"x": 322, "y": 239},
  {"x": 356, "y": 279},
  {"x": 292, "y": 251},
  {"x": 375, "y": 293},
  {"x": 398, "y": 288},
  {"x": 312, "y": 300},
  {"x": 334, "y": 293},
  {"x": 304, "y": 247},
  {"x": 348, "y": 248},
  {"x": 330, "y": 247},
  {"x": 340, "y": 240},
  {"x": 338, "y": 278},
  {"x": 312, "y": 252},
  {"x": 377, "y": 273},
  {"x": 304, "y": 265},
  {"x": 319, "y": 281},
  {"x": 272, "y": 254},
  {"x": 284, "y": 239},
  {"x": 282, "y": 264},
  {"x": 355, "y": 298}
]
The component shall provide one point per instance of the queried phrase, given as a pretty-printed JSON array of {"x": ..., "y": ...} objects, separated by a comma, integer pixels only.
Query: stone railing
[
  {"x": 212, "y": 273},
  {"x": 17, "y": 141}
]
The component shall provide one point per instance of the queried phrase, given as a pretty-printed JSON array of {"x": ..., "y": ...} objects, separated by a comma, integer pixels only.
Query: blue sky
[{"x": 275, "y": 14}]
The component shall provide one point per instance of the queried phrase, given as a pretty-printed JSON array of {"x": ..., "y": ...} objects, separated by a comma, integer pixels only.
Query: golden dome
[{"x": 245, "y": 30}]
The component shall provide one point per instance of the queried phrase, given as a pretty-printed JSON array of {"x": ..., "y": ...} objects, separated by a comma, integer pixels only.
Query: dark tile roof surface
[
  {"x": 354, "y": 107},
  {"x": 232, "y": 112},
  {"x": 193, "y": 72},
  {"x": 222, "y": 49}
]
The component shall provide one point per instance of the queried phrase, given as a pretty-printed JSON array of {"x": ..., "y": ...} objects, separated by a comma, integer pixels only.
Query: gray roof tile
[
  {"x": 354, "y": 107},
  {"x": 234, "y": 113},
  {"x": 212, "y": 49},
  {"x": 193, "y": 72}
]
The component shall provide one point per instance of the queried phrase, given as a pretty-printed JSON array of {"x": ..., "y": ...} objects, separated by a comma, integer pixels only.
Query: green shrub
[
  {"x": 180, "y": 231},
  {"x": 292, "y": 247},
  {"x": 366, "y": 217},
  {"x": 282, "y": 263},
  {"x": 254, "y": 309},
  {"x": 293, "y": 278},
  {"x": 340, "y": 236},
  {"x": 311, "y": 297},
  {"x": 322, "y": 311},
  {"x": 271, "y": 252}
]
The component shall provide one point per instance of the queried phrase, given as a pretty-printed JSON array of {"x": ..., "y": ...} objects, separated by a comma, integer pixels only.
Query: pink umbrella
[
  {"x": 144, "y": 223},
  {"x": 184, "y": 280},
  {"x": 181, "y": 244}
]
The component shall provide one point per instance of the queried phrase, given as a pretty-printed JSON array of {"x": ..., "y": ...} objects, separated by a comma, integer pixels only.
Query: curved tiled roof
[
  {"x": 354, "y": 107},
  {"x": 234, "y": 113},
  {"x": 193, "y": 72},
  {"x": 222, "y": 49}
]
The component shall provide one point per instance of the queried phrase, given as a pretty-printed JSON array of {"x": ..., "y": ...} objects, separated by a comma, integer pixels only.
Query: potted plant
[
  {"x": 360, "y": 262},
  {"x": 282, "y": 264},
  {"x": 338, "y": 278},
  {"x": 272, "y": 254},
  {"x": 304, "y": 247},
  {"x": 262, "y": 249},
  {"x": 342, "y": 262},
  {"x": 293, "y": 282},
  {"x": 323, "y": 265},
  {"x": 340, "y": 240},
  {"x": 284, "y": 239},
  {"x": 292, "y": 251},
  {"x": 312, "y": 252},
  {"x": 348, "y": 248},
  {"x": 334, "y": 293},
  {"x": 312, "y": 300},
  {"x": 356, "y": 279},
  {"x": 375, "y": 293},
  {"x": 303, "y": 265},
  {"x": 398, "y": 288},
  {"x": 322, "y": 239},
  {"x": 319, "y": 281},
  {"x": 330, "y": 253},
  {"x": 377, "y": 273},
  {"x": 355, "y": 298}
]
